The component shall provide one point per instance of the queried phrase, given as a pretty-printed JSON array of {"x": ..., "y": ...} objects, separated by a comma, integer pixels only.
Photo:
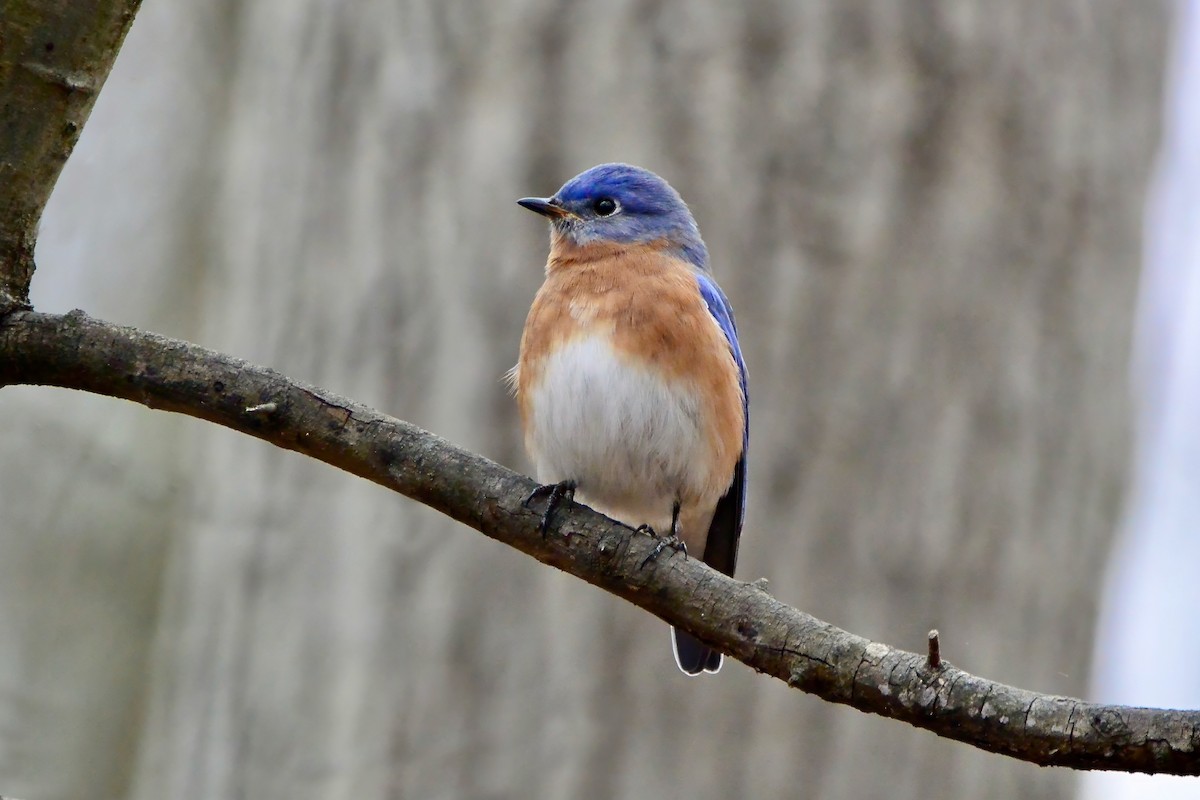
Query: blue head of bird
[{"x": 622, "y": 204}]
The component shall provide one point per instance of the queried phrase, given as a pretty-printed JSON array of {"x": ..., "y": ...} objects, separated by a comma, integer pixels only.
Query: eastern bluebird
[{"x": 631, "y": 383}]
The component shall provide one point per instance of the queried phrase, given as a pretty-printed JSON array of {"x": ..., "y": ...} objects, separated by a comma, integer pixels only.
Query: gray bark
[
  {"x": 741, "y": 619},
  {"x": 926, "y": 216}
]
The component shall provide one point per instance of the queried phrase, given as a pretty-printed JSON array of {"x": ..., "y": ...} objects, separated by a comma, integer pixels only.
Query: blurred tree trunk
[{"x": 926, "y": 216}]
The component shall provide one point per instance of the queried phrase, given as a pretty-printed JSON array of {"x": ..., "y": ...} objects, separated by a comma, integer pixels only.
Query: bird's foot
[
  {"x": 555, "y": 494},
  {"x": 671, "y": 542}
]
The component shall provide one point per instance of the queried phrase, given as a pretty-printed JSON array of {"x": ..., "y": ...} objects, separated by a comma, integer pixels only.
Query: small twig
[
  {"x": 71, "y": 81},
  {"x": 935, "y": 651}
]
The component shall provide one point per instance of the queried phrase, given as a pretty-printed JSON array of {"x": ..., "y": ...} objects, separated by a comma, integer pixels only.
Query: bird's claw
[
  {"x": 663, "y": 542},
  {"x": 555, "y": 494},
  {"x": 671, "y": 542}
]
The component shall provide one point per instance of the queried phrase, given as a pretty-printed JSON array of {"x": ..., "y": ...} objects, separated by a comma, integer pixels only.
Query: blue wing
[{"x": 721, "y": 551}]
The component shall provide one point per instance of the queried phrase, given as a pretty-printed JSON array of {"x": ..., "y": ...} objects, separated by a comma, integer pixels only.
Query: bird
[{"x": 630, "y": 383}]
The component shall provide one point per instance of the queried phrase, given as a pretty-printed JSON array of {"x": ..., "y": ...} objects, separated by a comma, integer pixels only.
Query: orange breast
[{"x": 649, "y": 306}]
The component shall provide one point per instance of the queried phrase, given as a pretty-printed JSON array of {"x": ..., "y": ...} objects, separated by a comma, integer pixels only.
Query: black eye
[{"x": 605, "y": 206}]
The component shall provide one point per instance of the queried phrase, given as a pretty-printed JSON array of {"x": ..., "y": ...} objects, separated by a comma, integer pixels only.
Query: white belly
[{"x": 633, "y": 442}]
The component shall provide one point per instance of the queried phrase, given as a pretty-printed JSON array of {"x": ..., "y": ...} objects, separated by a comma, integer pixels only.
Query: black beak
[{"x": 546, "y": 206}]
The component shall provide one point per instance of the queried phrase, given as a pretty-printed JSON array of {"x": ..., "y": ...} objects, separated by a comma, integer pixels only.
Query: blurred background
[{"x": 928, "y": 217}]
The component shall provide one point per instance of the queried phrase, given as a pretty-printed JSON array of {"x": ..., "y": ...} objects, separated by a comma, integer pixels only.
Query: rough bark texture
[
  {"x": 81, "y": 353},
  {"x": 925, "y": 215}
]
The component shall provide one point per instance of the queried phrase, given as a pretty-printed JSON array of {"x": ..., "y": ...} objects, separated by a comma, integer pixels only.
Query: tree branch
[
  {"x": 77, "y": 352},
  {"x": 54, "y": 57}
]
